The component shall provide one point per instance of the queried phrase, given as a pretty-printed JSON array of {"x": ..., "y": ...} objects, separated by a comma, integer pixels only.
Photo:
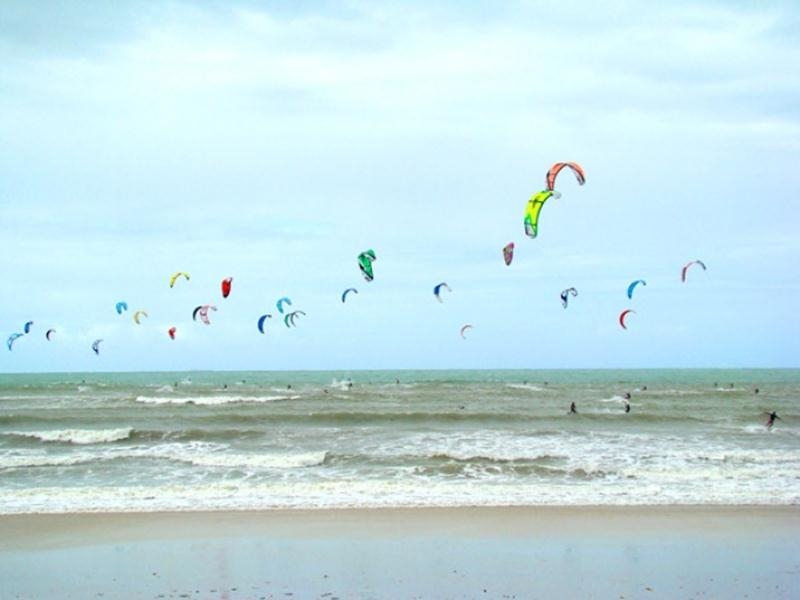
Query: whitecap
[{"x": 78, "y": 436}]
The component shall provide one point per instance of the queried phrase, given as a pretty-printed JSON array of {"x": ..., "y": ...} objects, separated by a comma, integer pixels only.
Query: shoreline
[{"x": 426, "y": 552}]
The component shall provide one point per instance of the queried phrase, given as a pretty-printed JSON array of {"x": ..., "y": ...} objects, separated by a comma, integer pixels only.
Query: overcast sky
[{"x": 272, "y": 142}]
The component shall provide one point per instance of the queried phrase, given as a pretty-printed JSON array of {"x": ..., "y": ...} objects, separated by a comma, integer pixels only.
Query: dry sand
[{"x": 527, "y": 552}]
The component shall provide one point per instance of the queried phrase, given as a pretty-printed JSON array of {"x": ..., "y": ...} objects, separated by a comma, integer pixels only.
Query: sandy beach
[{"x": 526, "y": 552}]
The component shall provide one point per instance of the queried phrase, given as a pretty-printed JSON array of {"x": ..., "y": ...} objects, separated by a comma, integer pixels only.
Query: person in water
[
  {"x": 573, "y": 409},
  {"x": 771, "y": 419},
  {"x": 627, "y": 401}
]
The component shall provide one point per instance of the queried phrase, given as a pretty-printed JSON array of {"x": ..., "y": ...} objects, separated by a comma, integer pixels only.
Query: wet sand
[{"x": 527, "y": 552}]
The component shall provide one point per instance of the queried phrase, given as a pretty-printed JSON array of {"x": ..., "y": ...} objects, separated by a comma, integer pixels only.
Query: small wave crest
[
  {"x": 259, "y": 461},
  {"x": 77, "y": 436},
  {"x": 211, "y": 400}
]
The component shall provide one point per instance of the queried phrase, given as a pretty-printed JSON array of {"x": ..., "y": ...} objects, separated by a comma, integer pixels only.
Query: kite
[
  {"x": 27, "y": 327},
  {"x": 623, "y": 315},
  {"x": 138, "y": 315},
  {"x": 689, "y": 264},
  {"x": 508, "y": 253},
  {"x": 261, "y": 321},
  {"x": 49, "y": 334},
  {"x": 463, "y": 329},
  {"x": 558, "y": 167},
  {"x": 279, "y": 304},
  {"x": 438, "y": 288},
  {"x": 226, "y": 286},
  {"x": 12, "y": 338},
  {"x": 347, "y": 291},
  {"x": 121, "y": 307},
  {"x": 633, "y": 285},
  {"x": 288, "y": 320},
  {"x": 202, "y": 312},
  {"x": 96, "y": 346},
  {"x": 565, "y": 295},
  {"x": 175, "y": 277},
  {"x": 534, "y": 207},
  {"x": 365, "y": 260},
  {"x": 171, "y": 331}
]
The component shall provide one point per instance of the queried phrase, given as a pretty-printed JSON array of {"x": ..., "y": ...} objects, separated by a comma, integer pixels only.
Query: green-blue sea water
[{"x": 255, "y": 440}]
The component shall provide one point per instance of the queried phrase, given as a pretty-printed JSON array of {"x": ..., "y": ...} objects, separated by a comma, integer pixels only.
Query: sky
[{"x": 273, "y": 142}]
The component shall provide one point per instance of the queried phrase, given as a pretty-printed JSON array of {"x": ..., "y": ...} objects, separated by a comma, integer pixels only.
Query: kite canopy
[
  {"x": 289, "y": 319},
  {"x": 623, "y": 315},
  {"x": 348, "y": 291},
  {"x": 633, "y": 285},
  {"x": 534, "y": 208},
  {"x": 171, "y": 332},
  {"x": 137, "y": 316},
  {"x": 565, "y": 295},
  {"x": 508, "y": 253},
  {"x": 438, "y": 288},
  {"x": 96, "y": 346},
  {"x": 175, "y": 277},
  {"x": 12, "y": 338},
  {"x": 365, "y": 260},
  {"x": 261, "y": 321},
  {"x": 27, "y": 327},
  {"x": 550, "y": 179},
  {"x": 689, "y": 264},
  {"x": 464, "y": 329},
  {"x": 279, "y": 304},
  {"x": 202, "y": 312},
  {"x": 49, "y": 334},
  {"x": 226, "y": 286}
]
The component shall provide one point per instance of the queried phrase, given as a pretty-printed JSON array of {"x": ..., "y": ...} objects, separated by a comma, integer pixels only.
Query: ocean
[{"x": 263, "y": 440}]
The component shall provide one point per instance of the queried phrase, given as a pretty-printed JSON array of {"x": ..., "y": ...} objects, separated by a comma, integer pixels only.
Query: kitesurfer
[
  {"x": 771, "y": 419},
  {"x": 627, "y": 401},
  {"x": 573, "y": 409}
]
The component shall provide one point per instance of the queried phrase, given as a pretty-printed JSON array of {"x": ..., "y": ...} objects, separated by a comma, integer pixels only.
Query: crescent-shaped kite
[
  {"x": 279, "y": 304},
  {"x": 689, "y": 264},
  {"x": 623, "y": 315},
  {"x": 49, "y": 334},
  {"x": 12, "y": 338},
  {"x": 202, "y": 312},
  {"x": 438, "y": 289},
  {"x": 96, "y": 346},
  {"x": 261, "y": 321},
  {"x": 171, "y": 332},
  {"x": 550, "y": 179},
  {"x": 175, "y": 276},
  {"x": 289, "y": 319},
  {"x": 533, "y": 209},
  {"x": 464, "y": 329},
  {"x": 137, "y": 316},
  {"x": 348, "y": 291},
  {"x": 565, "y": 295},
  {"x": 121, "y": 307},
  {"x": 633, "y": 285}
]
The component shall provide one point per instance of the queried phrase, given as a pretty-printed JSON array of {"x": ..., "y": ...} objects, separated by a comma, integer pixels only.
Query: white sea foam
[
  {"x": 78, "y": 436},
  {"x": 212, "y": 400},
  {"x": 525, "y": 386},
  {"x": 343, "y": 493},
  {"x": 258, "y": 461}
]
